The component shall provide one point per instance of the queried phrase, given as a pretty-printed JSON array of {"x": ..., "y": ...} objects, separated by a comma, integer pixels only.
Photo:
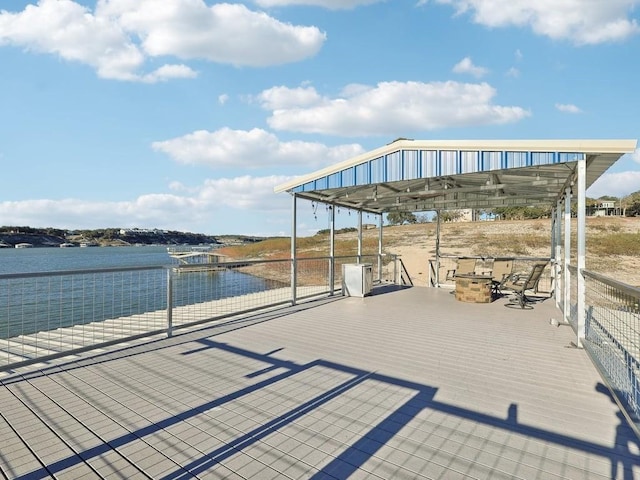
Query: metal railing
[
  {"x": 612, "y": 336},
  {"x": 54, "y": 314}
]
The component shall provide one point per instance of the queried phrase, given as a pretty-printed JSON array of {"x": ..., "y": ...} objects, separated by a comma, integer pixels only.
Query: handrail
[
  {"x": 501, "y": 257},
  {"x": 58, "y": 273},
  {"x": 625, "y": 288}
]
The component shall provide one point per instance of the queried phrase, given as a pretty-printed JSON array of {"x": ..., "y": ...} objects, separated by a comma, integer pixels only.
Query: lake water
[
  {"x": 33, "y": 304},
  {"x": 31, "y": 260}
]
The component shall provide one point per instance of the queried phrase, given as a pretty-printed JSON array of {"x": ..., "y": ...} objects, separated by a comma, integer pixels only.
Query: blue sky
[{"x": 184, "y": 114}]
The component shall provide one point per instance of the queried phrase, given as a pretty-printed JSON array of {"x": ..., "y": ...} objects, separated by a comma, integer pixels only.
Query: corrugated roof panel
[
  {"x": 394, "y": 167},
  {"x": 448, "y": 163},
  {"x": 377, "y": 170},
  {"x": 515, "y": 159},
  {"x": 543, "y": 158},
  {"x": 569, "y": 157},
  {"x": 335, "y": 180},
  {"x": 362, "y": 176},
  {"x": 491, "y": 160},
  {"x": 469, "y": 162},
  {"x": 411, "y": 165},
  {"x": 428, "y": 162}
]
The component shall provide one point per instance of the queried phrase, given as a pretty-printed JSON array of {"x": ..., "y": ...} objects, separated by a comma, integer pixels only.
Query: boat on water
[
  {"x": 67, "y": 245},
  {"x": 24, "y": 245}
]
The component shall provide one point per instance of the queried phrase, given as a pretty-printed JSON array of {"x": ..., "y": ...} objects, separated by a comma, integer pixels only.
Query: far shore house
[{"x": 606, "y": 208}]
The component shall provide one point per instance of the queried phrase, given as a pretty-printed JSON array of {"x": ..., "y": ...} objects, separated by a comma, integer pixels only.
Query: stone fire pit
[{"x": 473, "y": 288}]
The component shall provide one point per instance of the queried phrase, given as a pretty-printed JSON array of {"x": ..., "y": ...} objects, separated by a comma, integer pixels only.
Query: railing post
[
  {"x": 294, "y": 265},
  {"x": 567, "y": 255},
  {"x": 437, "y": 272},
  {"x": 395, "y": 270},
  {"x": 380, "y": 250},
  {"x": 359, "y": 236},
  {"x": 332, "y": 250},
  {"x": 581, "y": 251},
  {"x": 169, "y": 302},
  {"x": 558, "y": 289}
]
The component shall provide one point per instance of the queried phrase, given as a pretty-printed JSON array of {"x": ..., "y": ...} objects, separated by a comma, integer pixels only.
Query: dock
[
  {"x": 406, "y": 383},
  {"x": 196, "y": 255}
]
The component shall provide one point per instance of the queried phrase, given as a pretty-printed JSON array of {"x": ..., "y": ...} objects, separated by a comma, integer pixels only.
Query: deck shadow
[{"x": 355, "y": 455}]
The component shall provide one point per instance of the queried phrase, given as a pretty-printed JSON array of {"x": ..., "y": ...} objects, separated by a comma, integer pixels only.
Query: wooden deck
[{"x": 402, "y": 384}]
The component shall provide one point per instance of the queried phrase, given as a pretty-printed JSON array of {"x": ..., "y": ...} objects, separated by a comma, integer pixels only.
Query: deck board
[{"x": 402, "y": 384}]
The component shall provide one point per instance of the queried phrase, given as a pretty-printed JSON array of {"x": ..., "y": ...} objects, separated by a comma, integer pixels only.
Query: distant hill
[{"x": 10, "y": 236}]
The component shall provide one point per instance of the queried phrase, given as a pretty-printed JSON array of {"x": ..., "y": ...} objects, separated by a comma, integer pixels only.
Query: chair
[
  {"x": 519, "y": 284},
  {"x": 502, "y": 269},
  {"x": 463, "y": 266}
]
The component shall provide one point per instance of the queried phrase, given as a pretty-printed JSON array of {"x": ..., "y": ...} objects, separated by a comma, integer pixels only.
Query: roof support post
[
  {"x": 558, "y": 284},
  {"x": 553, "y": 245},
  {"x": 359, "y": 236},
  {"x": 567, "y": 255},
  {"x": 582, "y": 249},
  {"x": 294, "y": 266},
  {"x": 332, "y": 248},
  {"x": 438, "y": 221},
  {"x": 380, "y": 220}
]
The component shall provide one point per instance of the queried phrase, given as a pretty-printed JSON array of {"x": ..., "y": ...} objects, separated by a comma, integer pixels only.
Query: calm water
[
  {"x": 33, "y": 304},
  {"x": 30, "y": 260}
]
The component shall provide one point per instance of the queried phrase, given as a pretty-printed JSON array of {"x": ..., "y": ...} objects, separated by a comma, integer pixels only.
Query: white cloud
[
  {"x": 224, "y": 32},
  {"x": 579, "y": 21},
  {"x": 282, "y": 97},
  {"x": 513, "y": 72},
  {"x": 393, "y": 108},
  {"x": 618, "y": 184},
  {"x": 222, "y": 99},
  {"x": 635, "y": 156},
  {"x": 167, "y": 72},
  {"x": 212, "y": 199},
  {"x": 245, "y": 193},
  {"x": 120, "y": 36},
  {"x": 330, "y": 4},
  {"x": 567, "y": 108},
  {"x": 466, "y": 66},
  {"x": 67, "y": 29},
  {"x": 255, "y": 148}
]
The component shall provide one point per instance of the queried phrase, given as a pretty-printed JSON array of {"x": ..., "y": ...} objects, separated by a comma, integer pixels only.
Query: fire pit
[{"x": 473, "y": 288}]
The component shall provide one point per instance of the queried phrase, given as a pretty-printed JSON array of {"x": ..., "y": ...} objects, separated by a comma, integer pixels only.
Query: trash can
[{"x": 357, "y": 279}]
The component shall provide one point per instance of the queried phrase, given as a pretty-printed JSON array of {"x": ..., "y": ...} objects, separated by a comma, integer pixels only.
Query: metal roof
[{"x": 423, "y": 175}]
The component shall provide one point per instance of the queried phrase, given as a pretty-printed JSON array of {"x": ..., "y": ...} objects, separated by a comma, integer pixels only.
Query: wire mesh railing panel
[
  {"x": 51, "y": 313},
  {"x": 573, "y": 297},
  {"x": 313, "y": 276},
  {"x": 612, "y": 334},
  {"x": 212, "y": 291},
  {"x": 559, "y": 288}
]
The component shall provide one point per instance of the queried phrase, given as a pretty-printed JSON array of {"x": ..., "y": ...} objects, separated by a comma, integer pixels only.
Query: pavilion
[{"x": 433, "y": 175}]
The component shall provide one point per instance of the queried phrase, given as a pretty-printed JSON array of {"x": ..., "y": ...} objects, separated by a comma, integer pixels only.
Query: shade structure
[{"x": 424, "y": 175}]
